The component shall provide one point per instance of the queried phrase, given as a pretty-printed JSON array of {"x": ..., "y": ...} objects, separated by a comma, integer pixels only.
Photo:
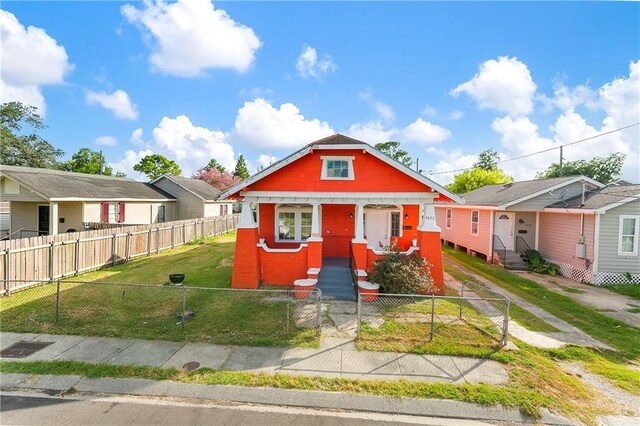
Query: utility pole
[
  {"x": 561, "y": 173},
  {"x": 418, "y": 165},
  {"x": 100, "y": 167}
]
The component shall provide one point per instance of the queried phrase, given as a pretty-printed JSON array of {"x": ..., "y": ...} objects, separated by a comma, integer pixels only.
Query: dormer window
[{"x": 337, "y": 168}]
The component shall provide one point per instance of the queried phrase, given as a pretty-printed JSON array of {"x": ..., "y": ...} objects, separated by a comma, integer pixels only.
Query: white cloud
[
  {"x": 504, "y": 84},
  {"x": 189, "y": 37},
  {"x": 425, "y": 133},
  {"x": 106, "y": 141},
  {"x": 180, "y": 140},
  {"x": 309, "y": 65},
  {"x": 371, "y": 132},
  {"x": 383, "y": 110},
  {"x": 456, "y": 115},
  {"x": 260, "y": 124},
  {"x": 136, "y": 136},
  {"x": 429, "y": 111},
  {"x": 266, "y": 160},
  {"x": 30, "y": 59},
  {"x": 130, "y": 159},
  {"x": 448, "y": 162},
  {"x": 118, "y": 102}
]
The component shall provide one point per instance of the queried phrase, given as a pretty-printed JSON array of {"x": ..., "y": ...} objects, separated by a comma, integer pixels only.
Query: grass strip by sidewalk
[
  {"x": 516, "y": 313},
  {"x": 610, "y": 364},
  {"x": 523, "y": 392},
  {"x": 631, "y": 290}
]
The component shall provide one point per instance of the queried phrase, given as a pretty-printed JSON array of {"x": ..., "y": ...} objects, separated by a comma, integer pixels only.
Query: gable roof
[
  {"x": 197, "y": 187},
  {"x": 516, "y": 192},
  {"x": 56, "y": 185},
  {"x": 339, "y": 141},
  {"x": 602, "y": 199}
]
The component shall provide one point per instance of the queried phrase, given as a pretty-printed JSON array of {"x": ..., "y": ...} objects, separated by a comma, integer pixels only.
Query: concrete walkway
[
  {"x": 337, "y": 360},
  {"x": 606, "y": 301},
  {"x": 568, "y": 334}
]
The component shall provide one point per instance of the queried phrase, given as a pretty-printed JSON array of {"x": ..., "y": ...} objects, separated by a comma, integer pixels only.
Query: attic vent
[{"x": 508, "y": 185}]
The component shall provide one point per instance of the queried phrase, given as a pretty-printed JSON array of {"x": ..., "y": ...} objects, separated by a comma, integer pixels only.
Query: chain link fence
[
  {"x": 165, "y": 312},
  {"x": 468, "y": 314}
]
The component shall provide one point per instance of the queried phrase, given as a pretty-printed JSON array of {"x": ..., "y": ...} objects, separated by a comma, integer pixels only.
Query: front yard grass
[
  {"x": 625, "y": 339},
  {"x": 138, "y": 311}
]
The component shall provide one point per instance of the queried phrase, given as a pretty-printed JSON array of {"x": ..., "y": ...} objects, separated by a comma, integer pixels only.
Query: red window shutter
[
  {"x": 104, "y": 212},
  {"x": 120, "y": 212}
]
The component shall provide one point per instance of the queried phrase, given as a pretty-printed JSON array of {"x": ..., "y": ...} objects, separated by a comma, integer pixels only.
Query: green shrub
[
  {"x": 400, "y": 274},
  {"x": 536, "y": 263}
]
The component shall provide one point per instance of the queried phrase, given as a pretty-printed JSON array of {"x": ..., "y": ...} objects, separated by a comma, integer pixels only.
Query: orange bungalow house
[{"x": 325, "y": 212}]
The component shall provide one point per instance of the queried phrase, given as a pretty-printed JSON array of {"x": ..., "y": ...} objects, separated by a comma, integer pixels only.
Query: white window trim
[
  {"x": 471, "y": 222},
  {"x": 636, "y": 233},
  {"x": 448, "y": 218},
  {"x": 297, "y": 222},
  {"x": 116, "y": 207},
  {"x": 348, "y": 159}
]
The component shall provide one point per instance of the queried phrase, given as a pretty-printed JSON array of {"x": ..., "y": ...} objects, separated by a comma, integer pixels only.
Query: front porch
[{"x": 331, "y": 238}]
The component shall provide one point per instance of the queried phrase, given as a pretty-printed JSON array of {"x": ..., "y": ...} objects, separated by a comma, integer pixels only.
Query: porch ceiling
[{"x": 340, "y": 197}]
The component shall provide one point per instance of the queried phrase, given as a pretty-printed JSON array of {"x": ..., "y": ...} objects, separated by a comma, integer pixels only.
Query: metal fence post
[
  {"x": 57, "y": 301},
  {"x": 433, "y": 305},
  {"x": 149, "y": 243},
  {"x": 358, "y": 314},
  {"x": 158, "y": 240},
  {"x": 195, "y": 230},
  {"x": 7, "y": 272},
  {"x": 461, "y": 299},
  {"x": 127, "y": 252},
  {"x": 202, "y": 228},
  {"x": 77, "y": 254},
  {"x": 288, "y": 307},
  {"x": 173, "y": 236},
  {"x": 505, "y": 328},
  {"x": 184, "y": 233},
  {"x": 184, "y": 304},
  {"x": 113, "y": 250},
  {"x": 51, "y": 259},
  {"x": 319, "y": 310}
]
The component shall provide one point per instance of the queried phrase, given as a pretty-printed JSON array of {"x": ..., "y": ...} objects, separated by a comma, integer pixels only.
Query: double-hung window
[
  {"x": 337, "y": 168},
  {"x": 395, "y": 224},
  {"x": 293, "y": 223},
  {"x": 475, "y": 220},
  {"x": 449, "y": 218},
  {"x": 628, "y": 233}
]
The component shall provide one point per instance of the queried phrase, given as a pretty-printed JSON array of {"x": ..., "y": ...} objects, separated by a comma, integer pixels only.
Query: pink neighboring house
[{"x": 589, "y": 230}]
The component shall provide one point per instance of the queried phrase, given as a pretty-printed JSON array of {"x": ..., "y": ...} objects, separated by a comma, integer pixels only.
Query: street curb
[{"x": 280, "y": 397}]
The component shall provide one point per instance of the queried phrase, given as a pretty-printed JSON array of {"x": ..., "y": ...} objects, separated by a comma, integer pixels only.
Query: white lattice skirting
[
  {"x": 612, "y": 278},
  {"x": 577, "y": 274}
]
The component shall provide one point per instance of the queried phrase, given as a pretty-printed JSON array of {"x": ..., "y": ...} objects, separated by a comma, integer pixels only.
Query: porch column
[
  {"x": 53, "y": 218},
  {"x": 429, "y": 243},
  {"x": 246, "y": 262},
  {"x": 314, "y": 242},
  {"x": 359, "y": 244}
]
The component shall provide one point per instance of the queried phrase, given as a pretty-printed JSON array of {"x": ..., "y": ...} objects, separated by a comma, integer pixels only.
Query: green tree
[
  {"x": 157, "y": 165},
  {"x": 603, "y": 169},
  {"x": 392, "y": 149},
  {"x": 213, "y": 164},
  {"x": 87, "y": 160},
  {"x": 475, "y": 178},
  {"x": 487, "y": 160},
  {"x": 25, "y": 149},
  {"x": 241, "y": 168}
]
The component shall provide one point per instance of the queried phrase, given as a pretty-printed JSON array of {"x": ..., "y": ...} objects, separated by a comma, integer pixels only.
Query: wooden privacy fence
[{"x": 45, "y": 258}]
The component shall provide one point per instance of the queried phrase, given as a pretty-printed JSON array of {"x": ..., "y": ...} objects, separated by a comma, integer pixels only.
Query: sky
[{"x": 195, "y": 80}]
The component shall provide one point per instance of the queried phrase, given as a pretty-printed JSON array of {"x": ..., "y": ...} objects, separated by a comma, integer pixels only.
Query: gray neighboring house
[
  {"x": 49, "y": 202},
  {"x": 196, "y": 198},
  {"x": 594, "y": 237}
]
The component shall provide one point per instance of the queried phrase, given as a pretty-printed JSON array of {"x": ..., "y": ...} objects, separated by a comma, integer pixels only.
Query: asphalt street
[{"x": 26, "y": 409}]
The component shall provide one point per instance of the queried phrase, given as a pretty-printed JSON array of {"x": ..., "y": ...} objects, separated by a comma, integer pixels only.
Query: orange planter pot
[
  {"x": 368, "y": 290},
  {"x": 303, "y": 288}
]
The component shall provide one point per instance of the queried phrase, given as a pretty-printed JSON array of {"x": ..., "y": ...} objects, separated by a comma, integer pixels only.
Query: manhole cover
[
  {"x": 190, "y": 366},
  {"x": 23, "y": 349}
]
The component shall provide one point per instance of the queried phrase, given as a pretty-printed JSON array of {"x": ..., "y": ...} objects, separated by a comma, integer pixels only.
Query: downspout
[{"x": 596, "y": 246}]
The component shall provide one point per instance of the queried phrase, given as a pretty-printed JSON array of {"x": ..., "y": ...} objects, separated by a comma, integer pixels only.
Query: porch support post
[
  {"x": 429, "y": 243},
  {"x": 359, "y": 244},
  {"x": 246, "y": 262},
  {"x": 53, "y": 218},
  {"x": 314, "y": 242}
]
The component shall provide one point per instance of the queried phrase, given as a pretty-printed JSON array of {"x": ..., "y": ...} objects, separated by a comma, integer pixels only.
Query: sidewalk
[{"x": 338, "y": 360}]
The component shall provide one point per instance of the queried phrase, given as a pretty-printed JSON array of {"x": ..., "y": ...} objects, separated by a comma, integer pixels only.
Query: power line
[{"x": 544, "y": 150}]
